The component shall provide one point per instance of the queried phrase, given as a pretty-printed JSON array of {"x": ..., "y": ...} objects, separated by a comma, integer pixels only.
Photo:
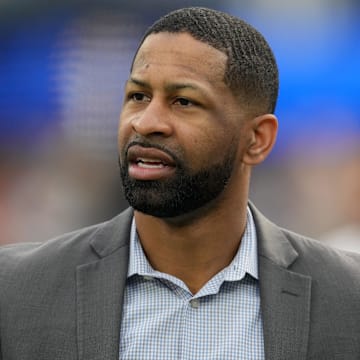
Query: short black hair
[{"x": 251, "y": 72}]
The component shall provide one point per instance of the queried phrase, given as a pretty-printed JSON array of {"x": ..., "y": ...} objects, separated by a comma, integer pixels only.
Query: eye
[
  {"x": 183, "y": 102},
  {"x": 139, "y": 97}
]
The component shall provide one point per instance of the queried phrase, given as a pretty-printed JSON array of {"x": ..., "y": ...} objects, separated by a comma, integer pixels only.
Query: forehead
[{"x": 183, "y": 52}]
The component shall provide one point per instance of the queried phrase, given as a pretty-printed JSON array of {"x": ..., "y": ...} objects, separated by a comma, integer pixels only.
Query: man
[{"x": 192, "y": 270}]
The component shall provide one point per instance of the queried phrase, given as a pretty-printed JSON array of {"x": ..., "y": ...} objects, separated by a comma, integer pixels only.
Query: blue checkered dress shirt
[{"x": 163, "y": 320}]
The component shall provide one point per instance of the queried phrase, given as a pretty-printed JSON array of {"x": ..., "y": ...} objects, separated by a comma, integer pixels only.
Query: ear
[{"x": 263, "y": 131}]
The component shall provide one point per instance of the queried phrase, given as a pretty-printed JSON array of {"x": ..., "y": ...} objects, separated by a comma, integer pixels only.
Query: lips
[{"x": 147, "y": 163}]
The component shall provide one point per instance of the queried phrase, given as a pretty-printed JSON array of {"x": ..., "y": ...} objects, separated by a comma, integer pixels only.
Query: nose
[{"x": 153, "y": 120}]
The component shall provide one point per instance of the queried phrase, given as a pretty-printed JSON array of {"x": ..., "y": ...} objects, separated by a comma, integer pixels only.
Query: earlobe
[{"x": 263, "y": 134}]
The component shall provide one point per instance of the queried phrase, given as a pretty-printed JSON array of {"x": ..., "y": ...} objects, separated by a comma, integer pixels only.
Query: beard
[{"x": 184, "y": 192}]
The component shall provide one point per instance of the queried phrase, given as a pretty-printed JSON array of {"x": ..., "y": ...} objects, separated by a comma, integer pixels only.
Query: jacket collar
[
  {"x": 272, "y": 243},
  {"x": 112, "y": 234},
  {"x": 285, "y": 295}
]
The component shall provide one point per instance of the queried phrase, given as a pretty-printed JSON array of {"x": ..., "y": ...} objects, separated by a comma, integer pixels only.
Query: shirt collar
[
  {"x": 244, "y": 262},
  {"x": 246, "y": 258}
]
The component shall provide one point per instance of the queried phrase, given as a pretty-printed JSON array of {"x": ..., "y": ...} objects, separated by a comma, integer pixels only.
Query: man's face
[{"x": 180, "y": 127}]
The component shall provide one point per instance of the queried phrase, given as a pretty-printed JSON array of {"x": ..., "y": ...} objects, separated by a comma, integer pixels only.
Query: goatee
[{"x": 180, "y": 194}]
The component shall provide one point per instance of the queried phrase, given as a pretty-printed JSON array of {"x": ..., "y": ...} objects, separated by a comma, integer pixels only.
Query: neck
[{"x": 194, "y": 249}]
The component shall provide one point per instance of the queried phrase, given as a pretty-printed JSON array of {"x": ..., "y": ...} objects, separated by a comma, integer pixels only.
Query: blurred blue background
[{"x": 62, "y": 70}]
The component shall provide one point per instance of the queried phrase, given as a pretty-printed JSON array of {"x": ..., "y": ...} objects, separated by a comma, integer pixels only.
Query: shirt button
[
  {"x": 195, "y": 303},
  {"x": 147, "y": 277}
]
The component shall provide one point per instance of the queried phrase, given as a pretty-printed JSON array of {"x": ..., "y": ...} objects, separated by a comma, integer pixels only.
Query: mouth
[{"x": 147, "y": 163}]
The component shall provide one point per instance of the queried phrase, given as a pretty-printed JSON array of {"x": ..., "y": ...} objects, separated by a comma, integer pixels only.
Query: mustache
[{"x": 148, "y": 144}]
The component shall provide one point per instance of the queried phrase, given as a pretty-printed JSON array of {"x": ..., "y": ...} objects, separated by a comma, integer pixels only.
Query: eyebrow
[
  {"x": 168, "y": 87},
  {"x": 180, "y": 86},
  {"x": 138, "y": 82}
]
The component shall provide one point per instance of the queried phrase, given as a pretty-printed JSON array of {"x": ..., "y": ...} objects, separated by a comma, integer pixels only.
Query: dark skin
[{"x": 176, "y": 95}]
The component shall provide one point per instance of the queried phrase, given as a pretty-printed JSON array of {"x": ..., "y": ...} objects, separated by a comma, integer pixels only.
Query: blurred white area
[{"x": 94, "y": 57}]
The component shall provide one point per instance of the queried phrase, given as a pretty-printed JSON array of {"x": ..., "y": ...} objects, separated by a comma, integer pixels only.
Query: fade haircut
[{"x": 251, "y": 71}]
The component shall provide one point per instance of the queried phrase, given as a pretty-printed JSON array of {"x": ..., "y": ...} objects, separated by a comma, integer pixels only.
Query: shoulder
[
  {"x": 320, "y": 254},
  {"x": 333, "y": 272},
  {"x": 15, "y": 255},
  {"x": 325, "y": 278},
  {"x": 335, "y": 280},
  {"x": 35, "y": 272},
  {"x": 322, "y": 260},
  {"x": 74, "y": 248},
  {"x": 302, "y": 254}
]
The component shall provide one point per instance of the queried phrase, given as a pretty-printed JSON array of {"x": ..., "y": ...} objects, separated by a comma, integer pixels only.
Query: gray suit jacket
[{"x": 62, "y": 300}]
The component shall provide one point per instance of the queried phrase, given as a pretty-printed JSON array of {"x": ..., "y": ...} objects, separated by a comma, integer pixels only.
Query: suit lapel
[
  {"x": 100, "y": 288},
  {"x": 285, "y": 295},
  {"x": 285, "y": 303}
]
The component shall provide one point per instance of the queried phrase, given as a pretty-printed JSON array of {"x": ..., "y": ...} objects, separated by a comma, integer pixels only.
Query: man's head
[
  {"x": 251, "y": 71},
  {"x": 192, "y": 125}
]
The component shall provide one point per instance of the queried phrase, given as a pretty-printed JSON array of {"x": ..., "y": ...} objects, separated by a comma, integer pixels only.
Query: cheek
[{"x": 204, "y": 148}]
